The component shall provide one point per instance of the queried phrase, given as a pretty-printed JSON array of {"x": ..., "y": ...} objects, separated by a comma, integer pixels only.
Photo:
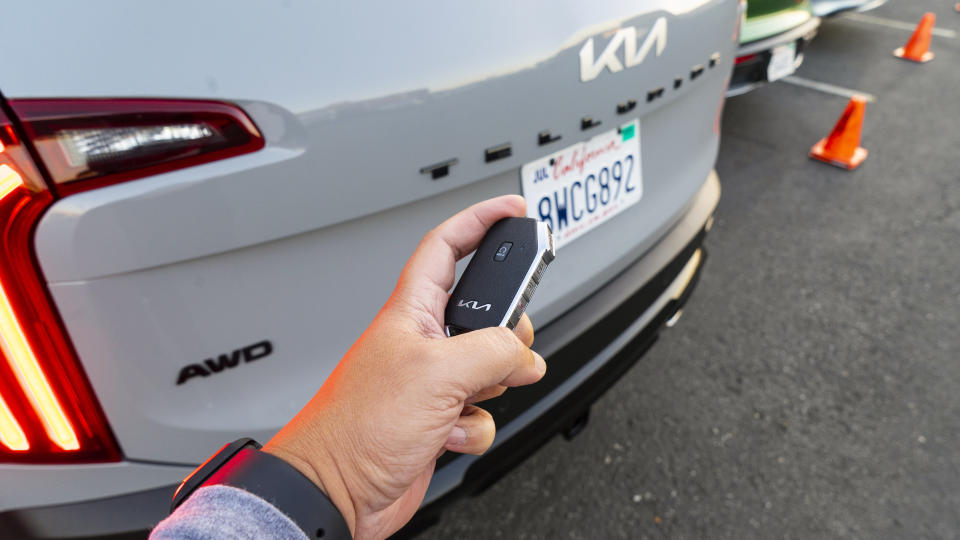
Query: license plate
[
  {"x": 578, "y": 188},
  {"x": 782, "y": 60}
]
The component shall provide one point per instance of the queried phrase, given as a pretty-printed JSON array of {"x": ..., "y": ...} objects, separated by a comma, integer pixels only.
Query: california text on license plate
[{"x": 581, "y": 186}]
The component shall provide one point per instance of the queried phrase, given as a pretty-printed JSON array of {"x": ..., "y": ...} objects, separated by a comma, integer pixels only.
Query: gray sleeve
[{"x": 226, "y": 512}]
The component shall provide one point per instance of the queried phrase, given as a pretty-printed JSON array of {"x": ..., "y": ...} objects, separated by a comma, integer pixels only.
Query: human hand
[{"x": 404, "y": 392}]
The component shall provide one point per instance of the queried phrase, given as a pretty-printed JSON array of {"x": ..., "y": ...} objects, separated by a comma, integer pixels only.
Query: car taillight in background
[{"x": 48, "y": 412}]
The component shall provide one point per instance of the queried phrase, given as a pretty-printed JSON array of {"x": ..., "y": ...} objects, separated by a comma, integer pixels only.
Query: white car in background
[
  {"x": 203, "y": 206},
  {"x": 828, "y": 8}
]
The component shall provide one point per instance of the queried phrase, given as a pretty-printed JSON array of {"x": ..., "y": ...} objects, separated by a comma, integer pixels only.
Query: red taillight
[
  {"x": 105, "y": 141},
  {"x": 48, "y": 412},
  {"x": 744, "y": 58}
]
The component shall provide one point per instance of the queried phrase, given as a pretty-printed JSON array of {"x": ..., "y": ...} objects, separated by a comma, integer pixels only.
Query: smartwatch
[{"x": 242, "y": 465}]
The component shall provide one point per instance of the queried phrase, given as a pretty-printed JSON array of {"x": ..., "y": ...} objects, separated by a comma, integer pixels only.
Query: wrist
[{"x": 325, "y": 476}]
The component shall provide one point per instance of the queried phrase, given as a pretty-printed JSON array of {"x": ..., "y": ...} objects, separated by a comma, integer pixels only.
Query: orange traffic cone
[
  {"x": 918, "y": 47},
  {"x": 842, "y": 148}
]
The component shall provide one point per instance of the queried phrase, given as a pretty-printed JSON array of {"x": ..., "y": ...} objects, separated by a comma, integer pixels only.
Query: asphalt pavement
[{"x": 812, "y": 387}]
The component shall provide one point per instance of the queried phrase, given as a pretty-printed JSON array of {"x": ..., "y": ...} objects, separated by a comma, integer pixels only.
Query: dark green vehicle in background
[{"x": 772, "y": 39}]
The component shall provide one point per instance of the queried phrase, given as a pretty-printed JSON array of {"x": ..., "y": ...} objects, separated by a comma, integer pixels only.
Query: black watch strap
[{"x": 242, "y": 465}]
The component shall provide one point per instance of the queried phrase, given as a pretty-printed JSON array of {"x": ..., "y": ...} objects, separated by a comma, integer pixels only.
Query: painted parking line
[
  {"x": 900, "y": 25},
  {"x": 827, "y": 88}
]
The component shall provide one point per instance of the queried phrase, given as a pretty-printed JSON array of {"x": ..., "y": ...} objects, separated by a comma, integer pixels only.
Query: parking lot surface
[{"x": 812, "y": 388}]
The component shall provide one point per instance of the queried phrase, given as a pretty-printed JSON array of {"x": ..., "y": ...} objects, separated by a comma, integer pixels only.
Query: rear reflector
[
  {"x": 744, "y": 58},
  {"x": 104, "y": 141}
]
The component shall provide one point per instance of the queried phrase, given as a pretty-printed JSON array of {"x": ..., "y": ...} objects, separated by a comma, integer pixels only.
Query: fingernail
[
  {"x": 540, "y": 363},
  {"x": 457, "y": 436}
]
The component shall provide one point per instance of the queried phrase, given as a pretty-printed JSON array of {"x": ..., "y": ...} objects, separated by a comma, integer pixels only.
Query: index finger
[{"x": 488, "y": 357}]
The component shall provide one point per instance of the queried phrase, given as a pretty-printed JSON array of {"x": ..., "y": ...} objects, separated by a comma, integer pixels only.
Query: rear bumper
[
  {"x": 588, "y": 349},
  {"x": 114, "y": 518},
  {"x": 752, "y": 73}
]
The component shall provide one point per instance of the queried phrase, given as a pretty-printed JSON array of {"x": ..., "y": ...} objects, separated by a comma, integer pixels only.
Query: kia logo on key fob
[{"x": 497, "y": 285}]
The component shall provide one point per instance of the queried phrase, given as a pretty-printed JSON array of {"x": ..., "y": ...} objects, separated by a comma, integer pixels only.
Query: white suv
[{"x": 203, "y": 204}]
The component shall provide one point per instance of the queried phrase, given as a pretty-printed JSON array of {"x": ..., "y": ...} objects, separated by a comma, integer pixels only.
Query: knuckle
[
  {"x": 432, "y": 236},
  {"x": 432, "y": 233},
  {"x": 508, "y": 338},
  {"x": 506, "y": 344},
  {"x": 483, "y": 416}
]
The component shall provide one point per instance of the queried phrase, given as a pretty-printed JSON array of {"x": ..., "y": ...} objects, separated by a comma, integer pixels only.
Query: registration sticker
[{"x": 578, "y": 188}]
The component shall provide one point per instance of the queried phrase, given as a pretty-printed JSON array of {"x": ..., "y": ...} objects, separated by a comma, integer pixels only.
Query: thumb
[
  {"x": 430, "y": 272},
  {"x": 491, "y": 356}
]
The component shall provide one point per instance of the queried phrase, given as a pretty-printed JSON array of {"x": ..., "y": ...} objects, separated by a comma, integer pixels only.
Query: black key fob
[{"x": 497, "y": 285}]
